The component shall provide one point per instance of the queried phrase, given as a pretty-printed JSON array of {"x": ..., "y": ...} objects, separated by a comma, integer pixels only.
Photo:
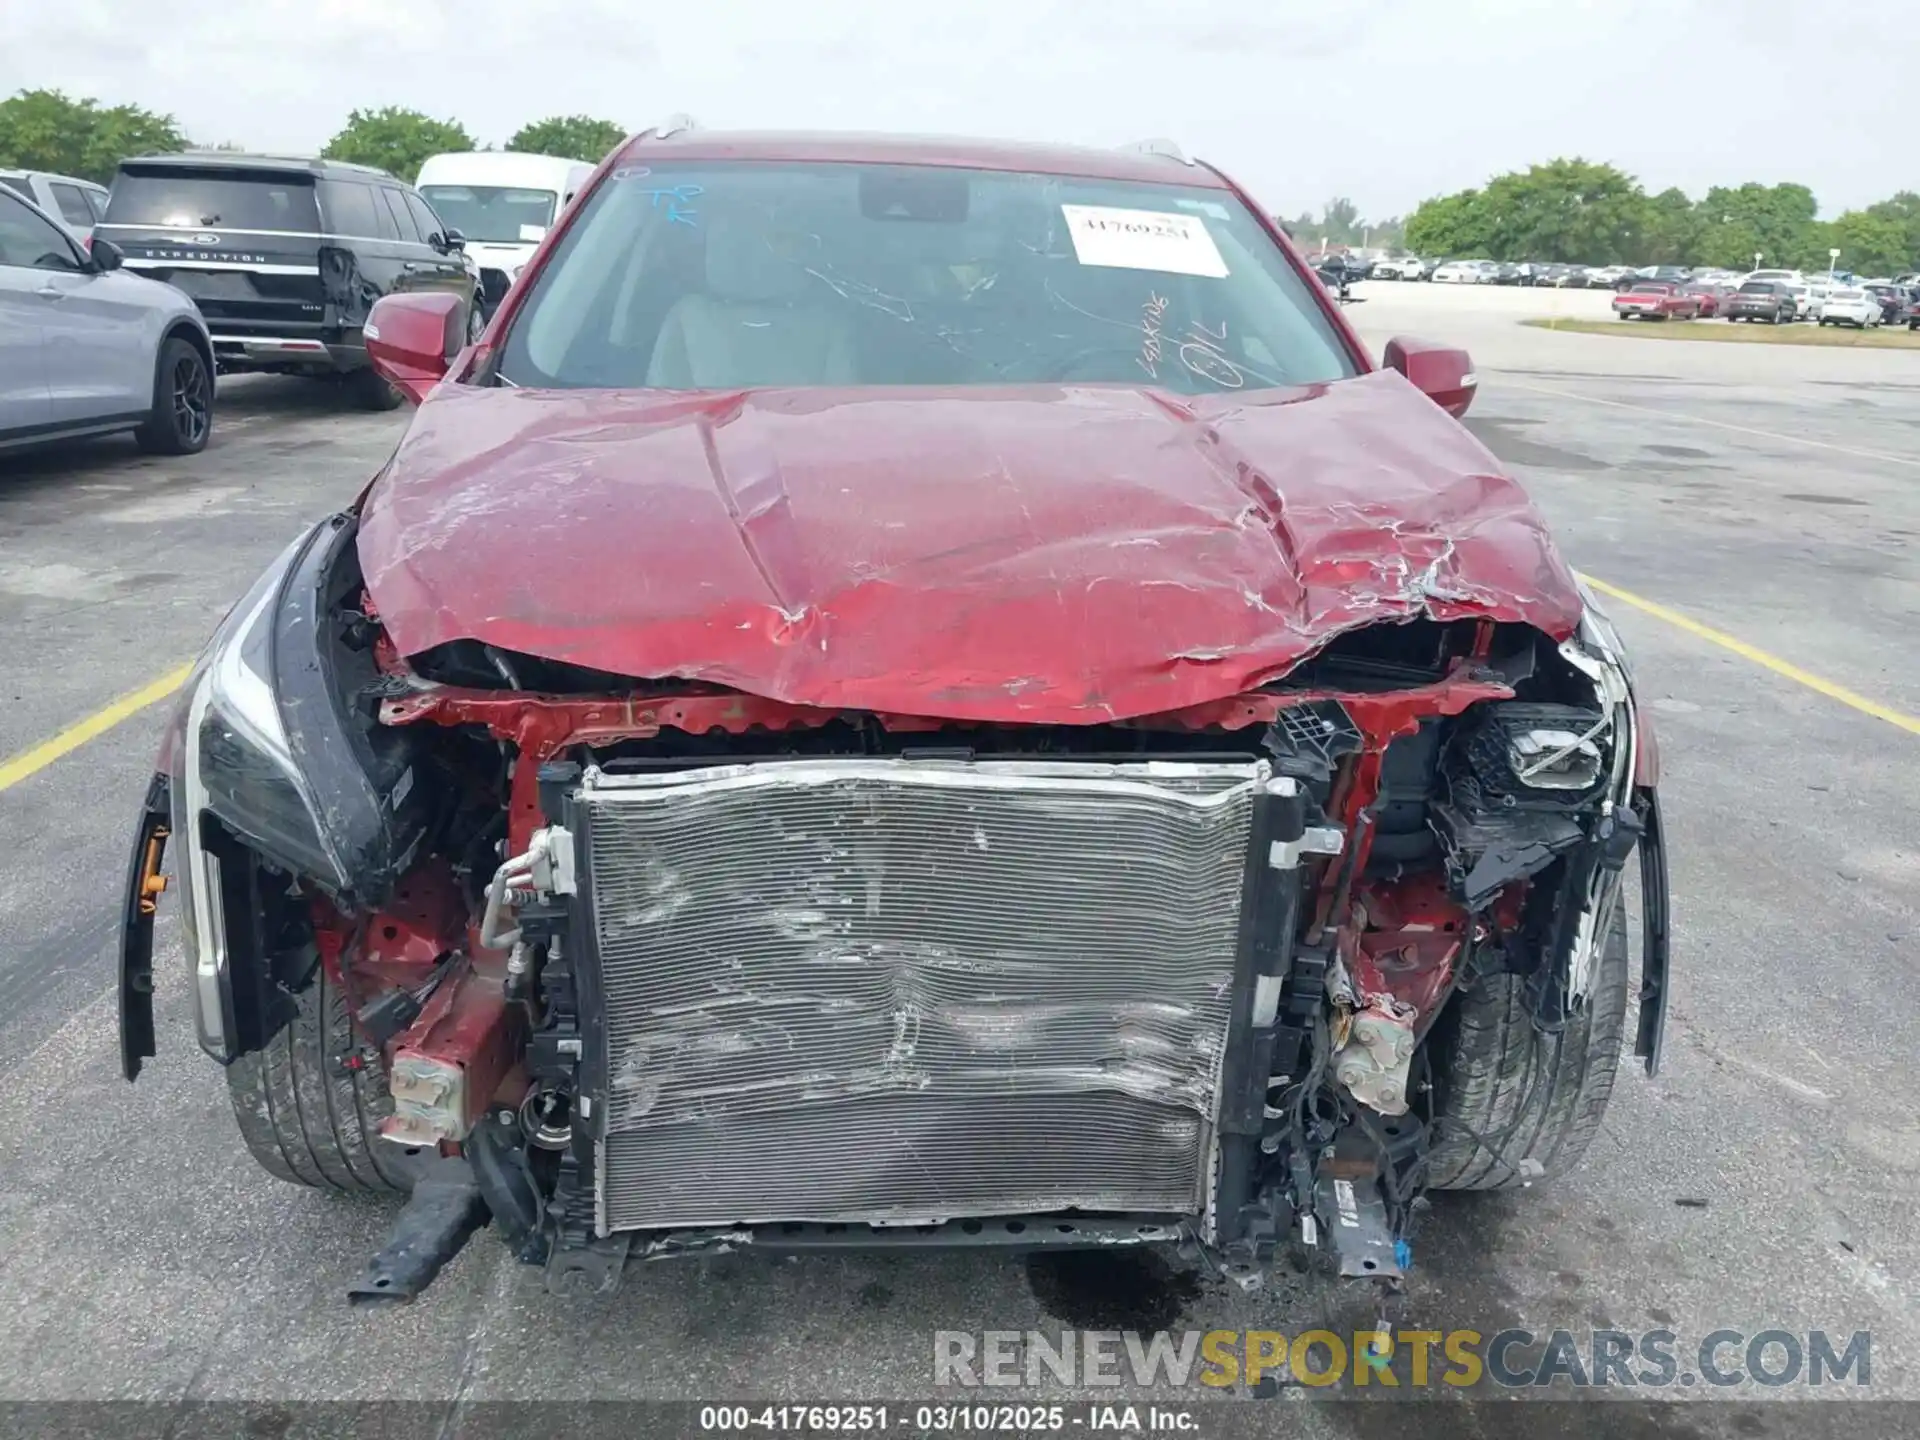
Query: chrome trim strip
[
  {"x": 270, "y": 342},
  {"x": 141, "y": 262},
  {"x": 171, "y": 230}
]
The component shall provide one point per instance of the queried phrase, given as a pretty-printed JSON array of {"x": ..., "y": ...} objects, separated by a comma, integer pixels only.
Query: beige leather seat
[{"x": 762, "y": 320}]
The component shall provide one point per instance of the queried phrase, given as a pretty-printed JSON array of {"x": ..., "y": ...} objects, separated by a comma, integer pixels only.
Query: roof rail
[
  {"x": 673, "y": 125},
  {"x": 1157, "y": 146}
]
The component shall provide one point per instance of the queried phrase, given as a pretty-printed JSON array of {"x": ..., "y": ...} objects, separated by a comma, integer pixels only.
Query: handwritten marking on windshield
[
  {"x": 1150, "y": 316},
  {"x": 1200, "y": 352},
  {"x": 674, "y": 197}
]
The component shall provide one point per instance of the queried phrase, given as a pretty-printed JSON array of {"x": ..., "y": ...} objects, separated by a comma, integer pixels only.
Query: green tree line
[
  {"x": 1568, "y": 209},
  {"x": 48, "y": 130},
  {"x": 1340, "y": 223},
  {"x": 1591, "y": 214}
]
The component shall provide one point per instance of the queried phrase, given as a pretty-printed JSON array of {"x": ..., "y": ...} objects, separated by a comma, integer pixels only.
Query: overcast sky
[{"x": 1386, "y": 101}]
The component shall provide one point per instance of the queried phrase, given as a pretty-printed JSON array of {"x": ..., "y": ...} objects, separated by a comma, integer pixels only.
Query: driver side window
[{"x": 32, "y": 242}]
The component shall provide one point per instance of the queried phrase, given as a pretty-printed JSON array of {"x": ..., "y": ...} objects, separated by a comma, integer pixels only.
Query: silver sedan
[{"x": 87, "y": 348}]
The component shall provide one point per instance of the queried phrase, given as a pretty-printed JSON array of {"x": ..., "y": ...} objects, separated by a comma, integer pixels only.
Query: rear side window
[
  {"x": 29, "y": 242},
  {"x": 402, "y": 218},
  {"x": 423, "y": 216},
  {"x": 96, "y": 202},
  {"x": 73, "y": 205},
  {"x": 210, "y": 199},
  {"x": 383, "y": 217},
  {"x": 349, "y": 208}
]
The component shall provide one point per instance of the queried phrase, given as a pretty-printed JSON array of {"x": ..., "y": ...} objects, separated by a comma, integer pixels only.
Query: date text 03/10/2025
[{"x": 942, "y": 1418}]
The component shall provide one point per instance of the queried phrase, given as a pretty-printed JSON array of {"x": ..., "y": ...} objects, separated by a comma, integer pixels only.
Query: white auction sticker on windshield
[{"x": 1143, "y": 240}]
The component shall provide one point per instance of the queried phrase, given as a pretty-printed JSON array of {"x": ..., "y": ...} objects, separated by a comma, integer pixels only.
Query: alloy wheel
[{"x": 192, "y": 399}]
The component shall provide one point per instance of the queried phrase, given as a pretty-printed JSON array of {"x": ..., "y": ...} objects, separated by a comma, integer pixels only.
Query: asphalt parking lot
[{"x": 1764, "y": 496}]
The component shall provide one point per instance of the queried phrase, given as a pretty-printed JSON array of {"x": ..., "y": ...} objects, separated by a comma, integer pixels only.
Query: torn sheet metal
[{"x": 1049, "y": 554}]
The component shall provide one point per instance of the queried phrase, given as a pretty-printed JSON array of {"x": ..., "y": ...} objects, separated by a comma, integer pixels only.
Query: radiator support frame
[{"x": 1275, "y": 811}]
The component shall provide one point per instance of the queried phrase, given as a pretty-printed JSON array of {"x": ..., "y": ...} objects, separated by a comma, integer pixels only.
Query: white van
[{"x": 502, "y": 203}]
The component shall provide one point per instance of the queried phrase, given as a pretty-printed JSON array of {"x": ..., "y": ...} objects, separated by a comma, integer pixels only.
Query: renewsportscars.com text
[{"x": 1651, "y": 1359}]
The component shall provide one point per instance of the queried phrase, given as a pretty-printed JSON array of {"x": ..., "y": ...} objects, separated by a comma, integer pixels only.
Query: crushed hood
[{"x": 1058, "y": 554}]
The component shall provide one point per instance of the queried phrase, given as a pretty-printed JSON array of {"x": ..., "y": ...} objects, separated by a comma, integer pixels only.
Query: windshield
[
  {"x": 494, "y": 214},
  {"x": 729, "y": 275},
  {"x": 1650, "y": 289},
  {"x": 197, "y": 197}
]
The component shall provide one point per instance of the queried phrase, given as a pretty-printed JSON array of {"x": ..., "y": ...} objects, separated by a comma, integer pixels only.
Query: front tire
[
  {"x": 304, "y": 1120},
  {"x": 1509, "y": 1094},
  {"x": 370, "y": 390},
  {"x": 181, "y": 420}
]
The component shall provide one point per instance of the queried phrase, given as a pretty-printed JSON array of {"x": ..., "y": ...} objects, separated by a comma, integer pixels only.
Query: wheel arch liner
[{"x": 1656, "y": 957}]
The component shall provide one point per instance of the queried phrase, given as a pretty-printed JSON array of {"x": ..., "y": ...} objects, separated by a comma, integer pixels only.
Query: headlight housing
[
  {"x": 272, "y": 771},
  {"x": 239, "y": 764},
  {"x": 230, "y": 766}
]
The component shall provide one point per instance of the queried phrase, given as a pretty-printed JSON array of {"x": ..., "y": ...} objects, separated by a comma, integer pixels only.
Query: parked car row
[
  {"x": 1668, "y": 292},
  {"x": 1775, "y": 301},
  {"x": 119, "y": 305},
  {"x": 1897, "y": 297}
]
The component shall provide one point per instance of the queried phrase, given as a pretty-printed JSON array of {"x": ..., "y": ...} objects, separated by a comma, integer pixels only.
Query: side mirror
[
  {"x": 454, "y": 240},
  {"x": 105, "y": 254},
  {"x": 1441, "y": 372},
  {"x": 411, "y": 337}
]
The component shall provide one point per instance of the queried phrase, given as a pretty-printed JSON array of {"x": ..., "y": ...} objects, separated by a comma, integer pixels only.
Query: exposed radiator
[{"x": 897, "y": 992}]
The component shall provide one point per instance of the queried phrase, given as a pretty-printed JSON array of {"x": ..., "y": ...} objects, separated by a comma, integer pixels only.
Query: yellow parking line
[
  {"x": 1759, "y": 657},
  {"x": 32, "y": 762}
]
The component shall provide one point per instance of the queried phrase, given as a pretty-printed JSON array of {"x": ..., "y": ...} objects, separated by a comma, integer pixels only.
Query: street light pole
[{"x": 1833, "y": 259}]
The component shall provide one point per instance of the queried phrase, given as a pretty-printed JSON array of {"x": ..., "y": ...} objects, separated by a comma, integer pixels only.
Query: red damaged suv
[{"x": 910, "y": 693}]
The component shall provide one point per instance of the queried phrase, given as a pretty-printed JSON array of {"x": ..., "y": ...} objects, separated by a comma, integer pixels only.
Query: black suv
[{"x": 285, "y": 256}]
